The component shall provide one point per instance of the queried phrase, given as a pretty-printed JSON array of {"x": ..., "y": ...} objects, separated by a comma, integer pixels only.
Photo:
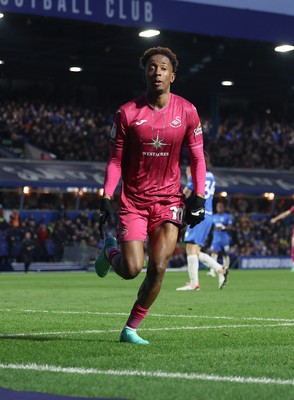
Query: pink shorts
[{"x": 136, "y": 223}]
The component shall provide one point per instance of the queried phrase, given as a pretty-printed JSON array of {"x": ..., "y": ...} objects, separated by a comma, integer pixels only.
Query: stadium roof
[{"x": 41, "y": 49}]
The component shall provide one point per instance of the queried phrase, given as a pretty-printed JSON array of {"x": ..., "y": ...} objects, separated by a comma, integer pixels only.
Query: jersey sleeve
[
  {"x": 292, "y": 210},
  {"x": 113, "y": 168},
  {"x": 194, "y": 141}
]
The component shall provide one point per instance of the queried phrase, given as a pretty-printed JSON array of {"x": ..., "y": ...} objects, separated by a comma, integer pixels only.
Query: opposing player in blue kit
[
  {"x": 195, "y": 237},
  {"x": 221, "y": 239}
]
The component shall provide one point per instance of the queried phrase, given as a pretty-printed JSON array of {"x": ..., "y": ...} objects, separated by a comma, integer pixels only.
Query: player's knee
[
  {"x": 156, "y": 270},
  {"x": 128, "y": 275},
  {"x": 132, "y": 270}
]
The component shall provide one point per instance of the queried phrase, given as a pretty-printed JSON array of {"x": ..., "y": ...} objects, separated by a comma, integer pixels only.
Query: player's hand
[
  {"x": 106, "y": 211},
  {"x": 195, "y": 210},
  {"x": 220, "y": 227}
]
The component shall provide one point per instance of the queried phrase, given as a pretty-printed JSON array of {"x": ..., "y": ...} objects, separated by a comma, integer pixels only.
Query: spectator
[{"x": 27, "y": 250}]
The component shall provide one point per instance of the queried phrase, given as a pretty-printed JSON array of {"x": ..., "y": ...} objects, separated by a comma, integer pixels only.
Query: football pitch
[{"x": 59, "y": 334}]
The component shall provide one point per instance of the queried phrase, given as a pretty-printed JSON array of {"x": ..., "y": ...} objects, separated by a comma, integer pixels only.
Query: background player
[
  {"x": 221, "y": 238},
  {"x": 195, "y": 238},
  {"x": 281, "y": 216},
  {"x": 145, "y": 149}
]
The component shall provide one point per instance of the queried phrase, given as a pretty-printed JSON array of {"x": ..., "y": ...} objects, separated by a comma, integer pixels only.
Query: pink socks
[
  {"x": 138, "y": 313},
  {"x": 111, "y": 253}
]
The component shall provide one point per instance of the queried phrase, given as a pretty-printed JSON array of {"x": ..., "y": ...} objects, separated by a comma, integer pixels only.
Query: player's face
[
  {"x": 159, "y": 74},
  {"x": 220, "y": 209}
]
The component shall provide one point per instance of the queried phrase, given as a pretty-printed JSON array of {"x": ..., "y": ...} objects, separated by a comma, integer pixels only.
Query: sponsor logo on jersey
[
  {"x": 176, "y": 123},
  {"x": 141, "y": 121},
  {"x": 154, "y": 154},
  {"x": 198, "y": 130},
  {"x": 157, "y": 143}
]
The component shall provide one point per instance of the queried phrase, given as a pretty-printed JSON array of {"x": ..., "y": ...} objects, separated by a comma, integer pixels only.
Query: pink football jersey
[{"x": 145, "y": 150}]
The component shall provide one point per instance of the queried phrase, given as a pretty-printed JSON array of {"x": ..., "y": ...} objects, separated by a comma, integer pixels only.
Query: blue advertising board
[{"x": 268, "y": 262}]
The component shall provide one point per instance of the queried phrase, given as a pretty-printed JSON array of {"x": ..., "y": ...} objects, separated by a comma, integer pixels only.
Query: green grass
[{"x": 251, "y": 342}]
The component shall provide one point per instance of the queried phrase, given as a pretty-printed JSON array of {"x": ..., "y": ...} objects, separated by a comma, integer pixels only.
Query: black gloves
[
  {"x": 195, "y": 210},
  {"x": 105, "y": 212}
]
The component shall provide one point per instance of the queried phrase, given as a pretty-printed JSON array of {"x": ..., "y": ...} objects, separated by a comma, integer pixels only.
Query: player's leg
[
  {"x": 210, "y": 262},
  {"x": 128, "y": 264},
  {"x": 193, "y": 251},
  {"x": 226, "y": 257},
  {"x": 214, "y": 256},
  {"x": 226, "y": 260},
  {"x": 162, "y": 243},
  {"x": 195, "y": 238},
  {"x": 224, "y": 272},
  {"x": 216, "y": 248},
  {"x": 127, "y": 261}
]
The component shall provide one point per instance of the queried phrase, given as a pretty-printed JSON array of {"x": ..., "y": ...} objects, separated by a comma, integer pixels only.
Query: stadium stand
[
  {"x": 82, "y": 134},
  {"x": 253, "y": 235},
  {"x": 48, "y": 109}
]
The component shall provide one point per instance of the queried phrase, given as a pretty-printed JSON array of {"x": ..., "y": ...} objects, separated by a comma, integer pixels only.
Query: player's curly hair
[{"x": 164, "y": 51}]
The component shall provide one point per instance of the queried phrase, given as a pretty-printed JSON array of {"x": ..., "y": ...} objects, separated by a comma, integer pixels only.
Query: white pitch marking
[
  {"x": 175, "y": 328},
  {"x": 21, "y": 334},
  {"x": 65, "y": 312},
  {"x": 149, "y": 374},
  {"x": 149, "y": 315}
]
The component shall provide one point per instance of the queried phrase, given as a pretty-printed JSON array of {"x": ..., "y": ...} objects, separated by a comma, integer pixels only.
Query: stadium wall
[{"x": 209, "y": 17}]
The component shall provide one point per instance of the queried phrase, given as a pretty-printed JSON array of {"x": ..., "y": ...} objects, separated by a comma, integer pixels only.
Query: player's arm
[
  {"x": 113, "y": 169},
  {"x": 281, "y": 216},
  {"x": 195, "y": 210},
  {"x": 113, "y": 172},
  {"x": 194, "y": 140}
]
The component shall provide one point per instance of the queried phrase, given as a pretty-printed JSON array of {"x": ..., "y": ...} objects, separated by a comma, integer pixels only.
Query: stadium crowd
[
  {"x": 82, "y": 134},
  {"x": 68, "y": 132},
  {"x": 252, "y": 235},
  {"x": 264, "y": 143}
]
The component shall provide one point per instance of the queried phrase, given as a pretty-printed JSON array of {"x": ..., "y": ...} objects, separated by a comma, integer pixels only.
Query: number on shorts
[{"x": 177, "y": 213}]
